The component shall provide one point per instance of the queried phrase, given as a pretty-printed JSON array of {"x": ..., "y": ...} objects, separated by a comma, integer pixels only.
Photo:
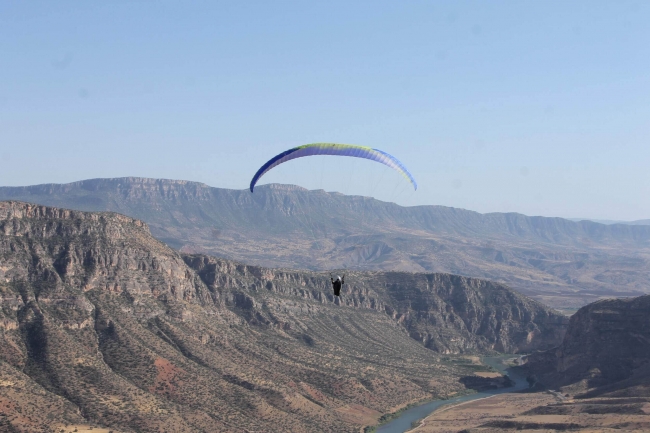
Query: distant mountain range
[
  {"x": 563, "y": 263},
  {"x": 633, "y": 223}
]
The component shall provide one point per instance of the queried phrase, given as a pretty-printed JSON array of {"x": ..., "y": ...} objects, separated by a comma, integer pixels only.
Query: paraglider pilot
[{"x": 336, "y": 284}]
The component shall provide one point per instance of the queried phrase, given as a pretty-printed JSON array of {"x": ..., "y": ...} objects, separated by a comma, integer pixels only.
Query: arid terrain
[
  {"x": 103, "y": 326},
  {"x": 565, "y": 264},
  {"x": 540, "y": 412}
]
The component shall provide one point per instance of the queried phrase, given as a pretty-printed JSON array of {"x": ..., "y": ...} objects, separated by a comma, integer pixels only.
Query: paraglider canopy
[{"x": 334, "y": 149}]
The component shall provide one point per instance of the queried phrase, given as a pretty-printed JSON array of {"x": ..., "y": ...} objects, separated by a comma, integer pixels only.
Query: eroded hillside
[{"x": 102, "y": 324}]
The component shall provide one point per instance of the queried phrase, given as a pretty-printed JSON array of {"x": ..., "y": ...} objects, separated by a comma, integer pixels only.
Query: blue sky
[{"x": 540, "y": 107}]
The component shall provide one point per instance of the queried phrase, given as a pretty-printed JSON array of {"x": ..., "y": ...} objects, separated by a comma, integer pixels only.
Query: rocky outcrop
[
  {"x": 106, "y": 251},
  {"x": 606, "y": 342}
]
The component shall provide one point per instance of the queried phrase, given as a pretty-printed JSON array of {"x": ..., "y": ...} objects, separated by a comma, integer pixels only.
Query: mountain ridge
[
  {"x": 201, "y": 191},
  {"x": 559, "y": 262}
]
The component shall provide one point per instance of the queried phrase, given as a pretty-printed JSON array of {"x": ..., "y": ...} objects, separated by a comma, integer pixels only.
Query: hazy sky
[{"x": 536, "y": 107}]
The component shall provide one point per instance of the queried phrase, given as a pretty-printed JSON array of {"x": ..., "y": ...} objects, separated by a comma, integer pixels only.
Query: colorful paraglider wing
[{"x": 334, "y": 149}]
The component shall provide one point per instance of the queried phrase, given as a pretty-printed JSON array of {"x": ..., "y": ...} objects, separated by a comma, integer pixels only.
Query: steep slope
[
  {"x": 606, "y": 343},
  {"x": 102, "y": 324},
  {"x": 561, "y": 262}
]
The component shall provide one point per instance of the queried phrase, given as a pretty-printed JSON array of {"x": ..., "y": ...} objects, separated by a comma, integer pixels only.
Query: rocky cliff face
[
  {"x": 560, "y": 262},
  {"x": 446, "y": 313},
  {"x": 102, "y": 324},
  {"x": 606, "y": 342}
]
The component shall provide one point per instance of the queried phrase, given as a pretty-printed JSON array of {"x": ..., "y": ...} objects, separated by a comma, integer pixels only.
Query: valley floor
[{"x": 540, "y": 412}]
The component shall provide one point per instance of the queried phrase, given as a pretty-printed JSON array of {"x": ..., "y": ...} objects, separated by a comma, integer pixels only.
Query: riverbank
[
  {"x": 423, "y": 422},
  {"x": 404, "y": 421},
  {"x": 488, "y": 410},
  {"x": 391, "y": 416},
  {"x": 388, "y": 417},
  {"x": 541, "y": 411}
]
